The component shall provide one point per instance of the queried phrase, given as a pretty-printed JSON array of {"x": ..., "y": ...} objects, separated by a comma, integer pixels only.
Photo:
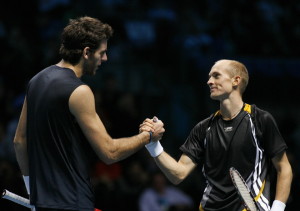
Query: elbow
[
  {"x": 19, "y": 142},
  {"x": 108, "y": 161},
  {"x": 111, "y": 155},
  {"x": 177, "y": 179},
  {"x": 16, "y": 141},
  {"x": 110, "y": 158}
]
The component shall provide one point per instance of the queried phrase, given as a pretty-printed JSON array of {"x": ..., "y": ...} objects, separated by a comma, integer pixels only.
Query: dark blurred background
[{"x": 159, "y": 59}]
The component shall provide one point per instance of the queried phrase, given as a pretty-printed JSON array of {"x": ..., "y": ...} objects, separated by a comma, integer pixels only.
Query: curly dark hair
[{"x": 80, "y": 33}]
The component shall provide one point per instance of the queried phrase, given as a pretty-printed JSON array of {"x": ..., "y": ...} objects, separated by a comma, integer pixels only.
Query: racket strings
[{"x": 243, "y": 190}]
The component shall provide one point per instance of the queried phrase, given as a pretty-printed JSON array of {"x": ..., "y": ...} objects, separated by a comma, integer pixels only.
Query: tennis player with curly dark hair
[{"x": 59, "y": 128}]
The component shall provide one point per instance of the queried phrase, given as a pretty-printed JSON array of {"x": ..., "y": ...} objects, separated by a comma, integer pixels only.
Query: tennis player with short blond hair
[{"x": 239, "y": 135}]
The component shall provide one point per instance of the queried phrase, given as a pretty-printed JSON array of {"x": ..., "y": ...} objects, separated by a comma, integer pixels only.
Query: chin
[
  {"x": 214, "y": 97},
  {"x": 91, "y": 72}
]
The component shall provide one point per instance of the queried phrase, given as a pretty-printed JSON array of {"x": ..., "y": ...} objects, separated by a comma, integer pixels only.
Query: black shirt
[
  {"x": 247, "y": 143},
  {"x": 59, "y": 154}
]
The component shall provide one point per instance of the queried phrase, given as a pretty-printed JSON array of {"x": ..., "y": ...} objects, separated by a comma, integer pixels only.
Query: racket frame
[{"x": 233, "y": 171}]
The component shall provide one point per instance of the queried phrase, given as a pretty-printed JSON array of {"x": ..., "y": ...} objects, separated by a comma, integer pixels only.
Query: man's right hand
[
  {"x": 153, "y": 125},
  {"x": 158, "y": 129}
]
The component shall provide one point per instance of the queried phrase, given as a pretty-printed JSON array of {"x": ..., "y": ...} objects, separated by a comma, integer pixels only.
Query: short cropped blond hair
[{"x": 236, "y": 68}]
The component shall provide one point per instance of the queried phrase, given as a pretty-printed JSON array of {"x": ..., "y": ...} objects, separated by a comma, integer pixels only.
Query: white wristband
[
  {"x": 278, "y": 206},
  {"x": 26, "y": 181},
  {"x": 154, "y": 148}
]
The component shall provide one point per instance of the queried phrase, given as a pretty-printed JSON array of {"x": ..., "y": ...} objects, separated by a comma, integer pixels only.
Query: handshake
[{"x": 155, "y": 127}]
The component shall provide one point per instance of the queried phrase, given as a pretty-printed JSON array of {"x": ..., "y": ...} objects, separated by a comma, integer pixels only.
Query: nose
[
  {"x": 209, "y": 82},
  {"x": 104, "y": 57}
]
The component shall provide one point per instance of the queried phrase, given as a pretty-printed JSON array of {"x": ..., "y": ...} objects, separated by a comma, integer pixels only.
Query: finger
[
  {"x": 147, "y": 124},
  {"x": 146, "y": 129},
  {"x": 148, "y": 120},
  {"x": 158, "y": 126}
]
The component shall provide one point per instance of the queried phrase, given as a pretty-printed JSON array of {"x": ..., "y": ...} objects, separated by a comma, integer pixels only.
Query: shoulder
[
  {"x": 205, "y": 122},
  {"x": 39, "y": 74},
  {"x": 200, "y": 129},
  {"x": 82, "y": 90},
  {"x": 82, "y": 94},
  {"x": 261, "y": 114},
  {"x": 263, "y": 120},
  {"x": 81, "y": 98}
]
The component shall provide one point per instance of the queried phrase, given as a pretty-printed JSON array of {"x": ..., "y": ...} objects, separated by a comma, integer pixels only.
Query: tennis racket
[
  {"x": 21, "y": 200},
  {"x": 242, "y": 190},
  {"x": 17, "y": 199}
]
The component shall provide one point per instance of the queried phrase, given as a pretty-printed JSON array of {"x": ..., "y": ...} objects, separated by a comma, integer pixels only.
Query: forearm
[
  {"x": 171, "y": 168},
  {"x": 22, "y": 155},
  {"x": 20, "y": 141},
  {"x": 110, "y": 150},
  {"x": 283, "y": 186},
  {"x": 122, "y": 148}
]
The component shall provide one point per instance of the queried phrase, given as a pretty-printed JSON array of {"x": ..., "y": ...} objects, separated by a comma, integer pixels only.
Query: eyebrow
[
  {"x": 104, "y": 51},
  {"x": 213, "y": 73}
]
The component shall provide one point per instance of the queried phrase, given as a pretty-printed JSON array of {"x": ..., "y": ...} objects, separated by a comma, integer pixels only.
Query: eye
[
  {"x": 102, "y": 53},
  {"x": 216, "y": 75}
]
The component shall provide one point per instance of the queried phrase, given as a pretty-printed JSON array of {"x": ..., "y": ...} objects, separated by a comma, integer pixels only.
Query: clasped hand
[{"x": 153, "y": 125}]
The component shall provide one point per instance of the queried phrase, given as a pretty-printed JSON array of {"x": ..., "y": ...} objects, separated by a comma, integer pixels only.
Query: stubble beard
[{"x": 89, "y": 69}]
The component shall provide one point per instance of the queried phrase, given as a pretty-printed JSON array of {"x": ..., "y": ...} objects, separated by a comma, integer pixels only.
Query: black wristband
[{"x": 150, "y": 133}]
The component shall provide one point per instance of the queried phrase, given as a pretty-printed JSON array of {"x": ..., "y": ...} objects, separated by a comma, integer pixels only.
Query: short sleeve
[
  {"x": 194, "y": 144},
  {"x": 272, "y": 140}
]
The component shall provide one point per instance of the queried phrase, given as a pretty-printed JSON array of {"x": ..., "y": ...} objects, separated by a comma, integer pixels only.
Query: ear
[
  {"x": 236, "y": 80},
  {"x": 86, "y": 52}
]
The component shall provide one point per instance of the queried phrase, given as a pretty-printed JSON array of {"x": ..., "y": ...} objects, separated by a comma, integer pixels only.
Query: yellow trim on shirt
[
  {"x": 217, "y": 113},
  {"x": 201, "y": 208},
  {"x": 247, "y": 108},
  {"x": 260, "y": 191}
]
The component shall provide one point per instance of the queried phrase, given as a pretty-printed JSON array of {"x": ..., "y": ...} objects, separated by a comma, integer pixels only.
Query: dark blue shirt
[{"x": 59, "y": 153}]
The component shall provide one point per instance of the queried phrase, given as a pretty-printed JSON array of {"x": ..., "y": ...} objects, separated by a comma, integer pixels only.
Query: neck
[
  {"x": 76, "y": 68},
  {"x": 230, "y": 110}
]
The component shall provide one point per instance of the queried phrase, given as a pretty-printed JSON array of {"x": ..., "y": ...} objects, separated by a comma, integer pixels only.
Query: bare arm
[
  {"x": 175, "y": 171},
  {"x": 20, "y": 141},
  {"x": 109, "y": 150},
  {"x": 284, "y": 177}
]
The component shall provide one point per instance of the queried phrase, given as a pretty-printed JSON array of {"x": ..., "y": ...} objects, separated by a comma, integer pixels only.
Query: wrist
[
  {"x": 145, "y": 136},
  {"x": 154, "y": 148},
  {"x": 278, "y": 206},
  {"x": 150, "y": 139},
  {"x": 26, "y": 181}
]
